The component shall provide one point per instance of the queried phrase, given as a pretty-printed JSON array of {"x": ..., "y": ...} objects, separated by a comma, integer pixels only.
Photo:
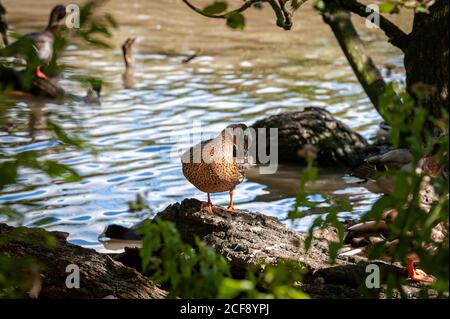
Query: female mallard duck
[
  {"x": 218, "y": 165},
  {"x": 374, "y": 231},
  {"x": 42, "y": 41}
]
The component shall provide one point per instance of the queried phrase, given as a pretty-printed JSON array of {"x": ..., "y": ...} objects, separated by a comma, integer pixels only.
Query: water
[{"x": 240, "y": 77}]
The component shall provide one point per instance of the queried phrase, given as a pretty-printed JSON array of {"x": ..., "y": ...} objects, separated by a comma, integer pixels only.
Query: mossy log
[
  {"x": 334, "y": 142},
  {"x": 100, "y": 275}
]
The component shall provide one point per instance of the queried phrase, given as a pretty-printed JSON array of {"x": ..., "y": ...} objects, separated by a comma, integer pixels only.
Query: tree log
[
  {"x": 100, "y": 275},
  {"x": 335, "y": 142},
  {"x": 245, "y": 238}
]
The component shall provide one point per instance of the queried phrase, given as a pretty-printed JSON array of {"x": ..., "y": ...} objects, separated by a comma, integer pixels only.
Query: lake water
[{"x": 239, "y": 77}]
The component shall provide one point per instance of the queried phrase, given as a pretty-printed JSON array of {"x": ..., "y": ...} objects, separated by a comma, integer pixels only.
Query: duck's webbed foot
[
  {"x": 419, "y": 275},
  {"x": 207, "y": 206},
  {"x": 415, "y": 274},
  {"x": 231, "y": 206},
  {"x": 40, "y": 74}
]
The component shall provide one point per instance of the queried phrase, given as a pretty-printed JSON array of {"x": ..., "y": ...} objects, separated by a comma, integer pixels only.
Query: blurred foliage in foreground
[
  {"x": 94, "y": 31},
  {"x": 21, "y": 277},
  {"x": 17, "y": 275},
  {"x": 199, "y": 272},
  {"x": 413, "y": 226}
]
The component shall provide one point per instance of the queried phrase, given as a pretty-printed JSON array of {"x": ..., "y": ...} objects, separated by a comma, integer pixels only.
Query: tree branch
[
  {"x": 396, "y": 36},
  {"x": 244, "y": 7},
  {"x": 363, "y": 66},
  {"x": 3, "y": 24},
  {"x": 283, "y": 16}
]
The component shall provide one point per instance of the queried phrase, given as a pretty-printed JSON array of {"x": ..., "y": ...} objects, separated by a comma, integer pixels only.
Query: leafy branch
[
  {"x": 198, "y": 271},
  {"x": 396, "y": 36},
  {"x": 236, "y": 20}
]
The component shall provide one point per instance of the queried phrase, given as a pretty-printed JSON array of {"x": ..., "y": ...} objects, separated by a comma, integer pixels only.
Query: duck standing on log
[
  {"x": 372, "y": 232},
  {"x": 219, "y": 164},
  {"x": 42, "y": 41}
]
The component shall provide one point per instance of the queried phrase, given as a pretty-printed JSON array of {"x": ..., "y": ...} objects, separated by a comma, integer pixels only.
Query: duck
[
  {"x": 371, "y": 232},
  {"x": 392, "y": 160},
  {"x": 42, "y": 41},
  {"x": 219, "y": 164},
  {"x": 128, "y": 58}
]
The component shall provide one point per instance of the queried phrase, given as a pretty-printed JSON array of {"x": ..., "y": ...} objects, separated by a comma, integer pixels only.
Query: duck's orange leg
[
  {"x": 40, "y": 74},
  {"x": 231, "y": 206},
  {"x": 207, "y": 206},
  {"x": 416, "y": 274}
]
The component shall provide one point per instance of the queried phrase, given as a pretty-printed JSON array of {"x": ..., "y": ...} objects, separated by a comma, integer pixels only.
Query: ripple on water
[{"x": 137, "y": 132}]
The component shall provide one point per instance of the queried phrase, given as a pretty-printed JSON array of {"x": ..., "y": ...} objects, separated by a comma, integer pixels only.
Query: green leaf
[
  {"x": 8, "y": 173},
  {"x": 236, "y": 20},
  {"x": 63, "y": 136},
  {"x": 333, "y": 249},
  {"x": 215, "y": 8},
  {"x": 422, "y": 9},
  {"x": 113, "y": 22},
  {"x": 295, "y": 4},
  {"x": 388, "y": 7},
  {"x": 232, "y": 288},
  {"x": 319, "y": 5},
  {"x": 55, "y": 169}
]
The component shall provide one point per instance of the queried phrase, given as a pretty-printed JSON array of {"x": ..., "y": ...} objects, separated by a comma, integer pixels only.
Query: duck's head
[{"x": 57, "y": 14}]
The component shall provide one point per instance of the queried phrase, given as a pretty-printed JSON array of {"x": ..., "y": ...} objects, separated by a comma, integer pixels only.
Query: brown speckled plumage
[{"x": 215, "y": 165}]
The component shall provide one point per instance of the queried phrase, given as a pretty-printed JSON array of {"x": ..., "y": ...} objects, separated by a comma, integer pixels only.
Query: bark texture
[
  {"x": 427, "y": 55},
  {"x": 352, "y": 46},
  {"x": 100, "y": 275},
  {"x": 3, "y": 25},
  {"x": 245, "y": 238}
]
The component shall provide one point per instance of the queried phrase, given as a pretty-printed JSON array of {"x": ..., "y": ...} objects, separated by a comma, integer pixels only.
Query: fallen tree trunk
[
  {"x": 100, "y": 275},
  {"x": 246, "y": 239}
]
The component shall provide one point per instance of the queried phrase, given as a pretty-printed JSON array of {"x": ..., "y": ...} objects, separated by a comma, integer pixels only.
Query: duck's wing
[
  {"x": 372, "y": 228},
  {"x": 392, "y": 160},
  {"x": 365, "y": 171},
  {"x": 195, "y": 153},
  {"x": 25, "y": 46},
  {"x": 43, "y": 43}
]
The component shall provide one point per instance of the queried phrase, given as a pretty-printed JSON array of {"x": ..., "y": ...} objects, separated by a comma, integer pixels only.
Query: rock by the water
[
  {"x": 335, "y": 142},
  {"x": 100, "y": 276},
  {"x": 246, "y": 238}
]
